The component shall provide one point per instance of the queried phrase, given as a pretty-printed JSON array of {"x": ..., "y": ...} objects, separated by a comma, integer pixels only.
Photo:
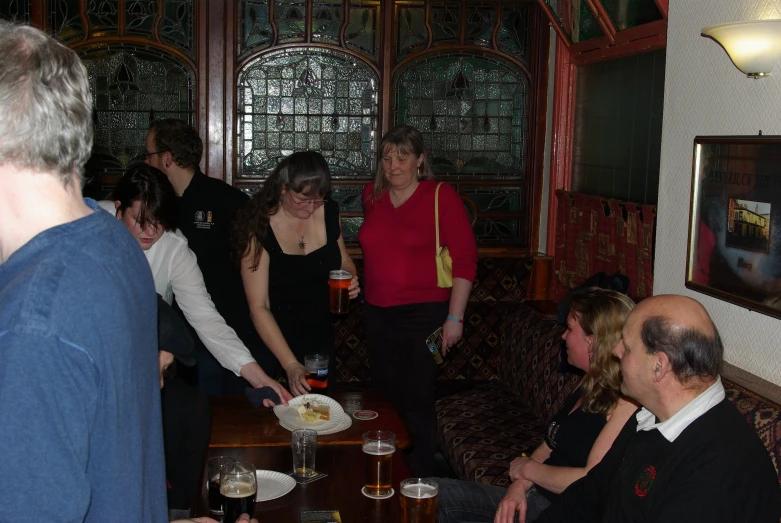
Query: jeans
[{"x": 471, "y": 502}]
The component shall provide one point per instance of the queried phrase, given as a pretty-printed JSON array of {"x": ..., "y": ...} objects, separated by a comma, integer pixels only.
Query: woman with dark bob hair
[
  {"x": 404, "y": 304},
  {"x": 288, "y": 238},
  {"x": 146, "y": 203},
  {"x": 577, "y": 437}
]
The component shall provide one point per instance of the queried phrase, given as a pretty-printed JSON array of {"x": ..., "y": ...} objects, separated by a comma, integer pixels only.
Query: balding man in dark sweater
[{"x": 691, "y": 457}]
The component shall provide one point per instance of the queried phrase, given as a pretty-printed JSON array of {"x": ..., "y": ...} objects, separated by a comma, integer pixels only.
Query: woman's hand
[
  {"x": 451, "y": 334},
  {"x": 354, "y": 288},
  {"x": 514, "y": 501},
  {"x": 518, "y": 467},
  {"x": 296, "y": 378}
]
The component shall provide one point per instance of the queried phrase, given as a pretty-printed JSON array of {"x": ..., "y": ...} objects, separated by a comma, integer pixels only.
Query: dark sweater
[{"x": 716, "y": 470}]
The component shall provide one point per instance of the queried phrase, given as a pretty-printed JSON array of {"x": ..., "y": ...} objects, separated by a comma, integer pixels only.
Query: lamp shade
[{"x": 754, "y": 47}]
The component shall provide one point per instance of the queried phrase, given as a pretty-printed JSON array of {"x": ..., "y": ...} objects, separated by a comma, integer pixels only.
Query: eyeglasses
[
  {"x": 315, "y": 203},
  {"x": 147, "y": 155}
]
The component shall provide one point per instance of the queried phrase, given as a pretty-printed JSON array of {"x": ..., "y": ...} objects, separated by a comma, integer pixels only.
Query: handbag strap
[{"x": 436, "y": 213}]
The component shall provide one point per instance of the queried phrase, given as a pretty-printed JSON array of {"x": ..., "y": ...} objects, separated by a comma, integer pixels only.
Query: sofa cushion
[
  {"x": 762, "y": 414},
  {"x": 482, "y": 430},
  {"x": 531, "y": 360}
]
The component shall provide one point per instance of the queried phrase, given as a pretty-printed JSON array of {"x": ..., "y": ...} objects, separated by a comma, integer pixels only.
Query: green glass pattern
[
  {"x": 501, "y": 230},
  {"x": 445, "y": 21},
  {"x": 350, "y": 226},
  {"x": 15, "y": 11},
  {"x": 348, "y": 197},
  {"x": 472, "y": 110},
  {"x": 495, "y": 199},
  {"x": 327, "y": 16},
  {"x": 362, "y": 33},
  {"x": 307, "y": 99},
  {"x": 65, "y": 20},
  {"x": 412, "y": 34},
  {"x": 128, "y": 83},
  {"x": 630, "y": 13},
  {"x": 178, "y": 25},
  {"x": 140, "y": 17},
  {"x": 588, "y": 27},
  {"x": 479, "y": 23},
  {"x": 255, "y": 30},
  {"x": 514, "y": 33},
  {"x": 103, "y": 17},
  {"x": 290, "y": 17}
]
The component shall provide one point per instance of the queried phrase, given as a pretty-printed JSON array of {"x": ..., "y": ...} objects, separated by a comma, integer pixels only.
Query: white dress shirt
[
  {"x": 673, "y": 427},
  {"x": 176, "y": 274}
]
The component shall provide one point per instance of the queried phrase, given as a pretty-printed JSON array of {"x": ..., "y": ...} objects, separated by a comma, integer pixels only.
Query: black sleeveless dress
[{"x": 298, "y": 291}]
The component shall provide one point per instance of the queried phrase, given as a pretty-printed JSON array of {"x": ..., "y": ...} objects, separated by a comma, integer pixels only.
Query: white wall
[{"x": 706, "y": 95}]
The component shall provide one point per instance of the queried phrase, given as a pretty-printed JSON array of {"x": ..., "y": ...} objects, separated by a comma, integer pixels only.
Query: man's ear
[{"x": 661, "y": 366}]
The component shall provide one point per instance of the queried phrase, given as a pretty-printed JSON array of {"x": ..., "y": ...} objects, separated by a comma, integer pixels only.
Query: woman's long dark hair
[
  {"x": 155, "y": 192},
  {"x": 304, "y": 172}
]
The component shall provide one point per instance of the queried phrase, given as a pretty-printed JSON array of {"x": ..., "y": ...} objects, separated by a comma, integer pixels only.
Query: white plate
[
  {"x": 291, "y": 418},
  {"x": 272, "y": 485},
  {"x": 342, "y": 424}
]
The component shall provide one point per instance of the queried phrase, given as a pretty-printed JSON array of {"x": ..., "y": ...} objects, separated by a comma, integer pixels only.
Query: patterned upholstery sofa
[{"x": 483, "y": 429}]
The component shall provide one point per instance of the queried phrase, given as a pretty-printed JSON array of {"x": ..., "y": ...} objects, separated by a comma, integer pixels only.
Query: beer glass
[
  {"x": 304, "y": 444},
  {"x": 379, "y": 446},
  {"x": 238, "y": 485},
  {"x": 339, "y": 282},
  {"x": 213, "y": 468},
  {"x": 316, "y": 371},
  {"x": 419, "y": 499}
]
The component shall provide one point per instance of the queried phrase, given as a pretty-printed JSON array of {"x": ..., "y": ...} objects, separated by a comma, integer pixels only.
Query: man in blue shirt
[{"x": 81, "y": 437}]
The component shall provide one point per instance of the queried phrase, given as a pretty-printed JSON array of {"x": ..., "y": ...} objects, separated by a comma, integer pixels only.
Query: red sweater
[{"x": 399, "y": 245}]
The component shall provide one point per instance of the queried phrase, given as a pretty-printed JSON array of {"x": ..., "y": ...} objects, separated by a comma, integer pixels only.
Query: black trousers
[
  {"x": 186, "y": 432},
  {"x": 403, "y": 369}
]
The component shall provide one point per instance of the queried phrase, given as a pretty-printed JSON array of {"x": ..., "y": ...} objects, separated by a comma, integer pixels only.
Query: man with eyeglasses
[{"x": 206, "y": 208}]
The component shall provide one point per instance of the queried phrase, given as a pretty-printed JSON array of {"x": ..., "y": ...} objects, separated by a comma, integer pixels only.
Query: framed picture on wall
[{"x": 734, "y": 248}]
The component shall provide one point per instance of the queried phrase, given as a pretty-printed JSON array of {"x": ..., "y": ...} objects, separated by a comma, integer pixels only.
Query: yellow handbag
[{"x": 443, "y": 259}]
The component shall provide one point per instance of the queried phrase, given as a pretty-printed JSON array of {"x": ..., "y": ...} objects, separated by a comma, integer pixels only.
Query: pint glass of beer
[
  {"x": 419, "y": 498},
  {"x": 316, "y": 371},
  {"x": 238, "y": 486},
  {"x": 213, "y": 468},
  {"x": 339, "y": 282},
  {"x": 379, "y": 446}
]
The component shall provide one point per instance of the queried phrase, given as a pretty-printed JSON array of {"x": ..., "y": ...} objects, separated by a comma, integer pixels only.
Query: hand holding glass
[{"x": 339, "y": 283}]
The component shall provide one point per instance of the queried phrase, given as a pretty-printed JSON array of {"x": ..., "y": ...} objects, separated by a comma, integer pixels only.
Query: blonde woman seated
[{"x": 578, "y": 436}]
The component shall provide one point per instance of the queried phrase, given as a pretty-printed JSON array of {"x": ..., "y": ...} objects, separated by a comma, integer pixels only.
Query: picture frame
[{"x": 734, "y": 244}]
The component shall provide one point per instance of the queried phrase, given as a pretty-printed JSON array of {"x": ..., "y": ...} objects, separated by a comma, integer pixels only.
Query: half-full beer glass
[
  {"x": 339, "y": 283},
  {"x": 238, "y": 485},
  {"x": 379, "y": 446},
  {"x": 419, "y": 499}
]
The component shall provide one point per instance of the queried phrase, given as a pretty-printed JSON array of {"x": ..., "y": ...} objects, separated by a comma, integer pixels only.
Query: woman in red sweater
[{"x": 404, "y": 306}]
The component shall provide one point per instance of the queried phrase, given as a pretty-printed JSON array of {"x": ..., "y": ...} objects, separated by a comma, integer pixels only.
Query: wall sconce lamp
[{"x": 754, "y": 47}]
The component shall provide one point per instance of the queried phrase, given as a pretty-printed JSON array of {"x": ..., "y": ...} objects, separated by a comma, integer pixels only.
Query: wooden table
[
  {"x": 236, "y": 423},
  {"x": 340, "y": 490}
]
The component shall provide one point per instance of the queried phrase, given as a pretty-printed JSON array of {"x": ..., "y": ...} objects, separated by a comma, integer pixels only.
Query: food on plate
[{"x": 312, "y": 410}]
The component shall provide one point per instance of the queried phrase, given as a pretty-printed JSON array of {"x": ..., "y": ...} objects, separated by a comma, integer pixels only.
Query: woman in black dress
[{"x": 288, "y": 238}]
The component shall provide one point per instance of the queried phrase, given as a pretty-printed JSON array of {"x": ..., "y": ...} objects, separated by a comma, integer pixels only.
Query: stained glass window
[
  {"x": 290, "y": 18},
  {"x": 411, "y": 31},
  {"x": 15, "y": 10},
  {"x": 479, "y": 23},
  {"x": 327, "y": 16},
  {"x": 513, "y": 36},
  {"x": 140, "y": 18},
  {"x": 471, "y": 108},
  {"x": 307, "y": 98},
  {"x": 254, "y": 27},
  {"x": 445, "y": 21},
  {"x": 362, "y": 33},
  {"x": 130, "y": 84}
]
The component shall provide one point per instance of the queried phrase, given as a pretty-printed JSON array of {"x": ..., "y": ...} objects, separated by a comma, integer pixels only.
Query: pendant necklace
[{"x": 302, "y": 244}]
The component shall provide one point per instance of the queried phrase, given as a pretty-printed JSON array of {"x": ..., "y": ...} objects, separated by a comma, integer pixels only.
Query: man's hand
[
  {"x": 257, "y": 378},
  {"x": 514, "y": 501},
  {"x": 244, "y": 518},
  {"x": 519, "y": 467},
  {"x": 296, "y": 378}
]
